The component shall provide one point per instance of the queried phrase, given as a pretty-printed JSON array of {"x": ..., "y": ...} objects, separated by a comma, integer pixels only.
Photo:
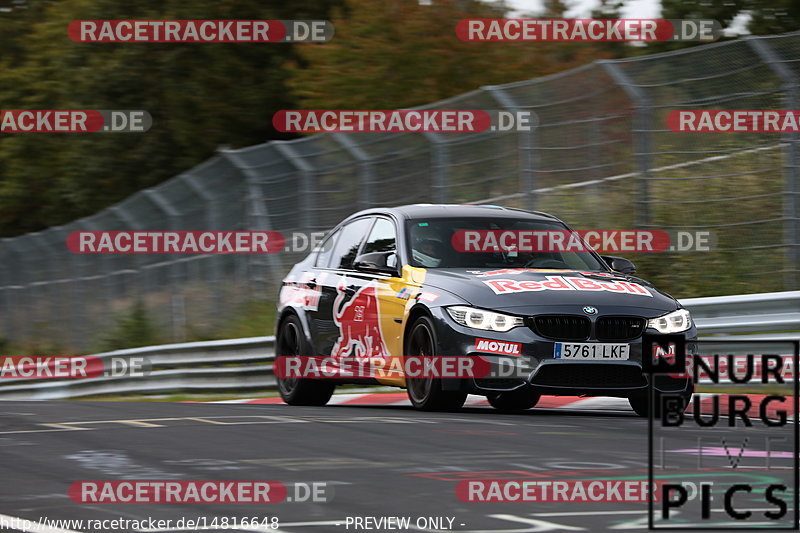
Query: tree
[
  {"x": 199, "y": 95},
  {"x": 765, "y": 16},
  {"x": 775, "y": 16},
  {"x": 390, "y": 54}
]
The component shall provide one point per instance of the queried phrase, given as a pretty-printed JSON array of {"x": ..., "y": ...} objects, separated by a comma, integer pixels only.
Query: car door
[
  {"x": 319, "y": 321},
  {"x": 395, "y": 296},
  {"x": 341, "y": 309},
  {"x": 391, "y": 292}
]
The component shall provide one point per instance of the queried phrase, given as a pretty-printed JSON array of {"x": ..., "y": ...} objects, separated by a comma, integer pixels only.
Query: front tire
[
  {"x": 299, "y": 391},
  {"x": 426, "y": 394},
  {"x": 513, "y": 401},
  {"x": 639, "y": 403}
]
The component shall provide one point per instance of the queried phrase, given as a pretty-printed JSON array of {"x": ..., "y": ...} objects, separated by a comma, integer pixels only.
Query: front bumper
[{"x": 535, "y": 366}]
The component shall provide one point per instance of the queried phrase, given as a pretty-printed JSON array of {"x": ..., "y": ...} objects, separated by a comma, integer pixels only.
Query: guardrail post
[
  {"x": 642, "y": 128},
  {"x": 526, "y": 148},
  {"x": 791, "y": 191}
]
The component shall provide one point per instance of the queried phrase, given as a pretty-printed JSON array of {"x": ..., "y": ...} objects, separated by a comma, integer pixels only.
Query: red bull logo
[
  {"x": 564, "y": 283},
  {"x": 358, "y": 320}
]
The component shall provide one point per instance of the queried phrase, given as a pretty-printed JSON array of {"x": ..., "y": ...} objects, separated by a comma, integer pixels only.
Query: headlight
[
  {"x": 673, "y": 322},
  {"x": 481, "y": 319}
]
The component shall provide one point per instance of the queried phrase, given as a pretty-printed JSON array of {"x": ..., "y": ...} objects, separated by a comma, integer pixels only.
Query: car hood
[{"x": 530, "y": 291}]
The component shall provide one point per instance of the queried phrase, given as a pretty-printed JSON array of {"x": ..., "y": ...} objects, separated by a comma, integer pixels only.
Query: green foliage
[
  {"x": 390, "y": 54},
  {"x": 199, "y": 95},
  {"x": 764, "y": 17},
  {"x": 255, "y": 319},
  {"x": 132, "y": 329},
  {"x": 774, "y": 16}
]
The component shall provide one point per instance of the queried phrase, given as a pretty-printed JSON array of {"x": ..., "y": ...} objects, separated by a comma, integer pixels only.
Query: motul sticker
[
  {"x": 497, "y": 347},
  {"x": 564, "y": 283}
]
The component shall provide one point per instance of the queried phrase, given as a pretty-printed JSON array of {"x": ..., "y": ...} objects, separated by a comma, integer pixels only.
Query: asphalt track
[{"x": 376, "y": 461}]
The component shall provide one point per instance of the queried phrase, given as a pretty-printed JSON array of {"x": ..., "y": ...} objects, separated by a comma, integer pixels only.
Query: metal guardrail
[
  {"x": 767, "y": 312},
  {"x": 206, "y": 366},
  {"x": 246, "y": 364}
]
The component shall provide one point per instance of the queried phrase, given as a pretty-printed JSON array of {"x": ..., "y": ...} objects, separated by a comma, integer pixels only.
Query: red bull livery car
[{"x": 513, "y": 290}]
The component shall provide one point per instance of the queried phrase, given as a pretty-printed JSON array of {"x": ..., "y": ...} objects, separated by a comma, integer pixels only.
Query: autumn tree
[
  {"x": 395, "y": 53},
  {"x": 199, "y": 95}
]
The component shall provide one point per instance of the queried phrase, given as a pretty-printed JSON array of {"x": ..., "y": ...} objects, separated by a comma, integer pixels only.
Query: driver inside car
[{"x": 428, "y": 252}]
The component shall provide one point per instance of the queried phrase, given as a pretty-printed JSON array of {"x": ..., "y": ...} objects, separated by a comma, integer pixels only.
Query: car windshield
[{"x": 484, "y": 242}]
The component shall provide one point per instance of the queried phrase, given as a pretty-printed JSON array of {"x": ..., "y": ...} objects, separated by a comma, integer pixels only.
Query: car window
[
  {"x": 347, "y": 245},
  {"x": 382, "y": 238},
  {"x": 431, "y": 245},
  {"x": 325, "y": 249}
]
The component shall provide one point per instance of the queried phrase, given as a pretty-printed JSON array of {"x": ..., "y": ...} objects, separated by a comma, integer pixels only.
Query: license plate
[{"x": 591, "y": 351}]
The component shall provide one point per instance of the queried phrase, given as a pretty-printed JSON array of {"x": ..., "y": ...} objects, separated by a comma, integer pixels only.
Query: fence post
[
  {"x": 87, "y": 308},
  {"x": 306, "y": 182},
  {"x": 213, "y": 219},
  {"x": 526, "y": 148},
  {"x": 5, "y": 288},
  {"x": 49, "y": 287},
  {"x": 365, "y": 175},
  {"x": 791, "y": 192},
  {"x": 440, "y": 160},
  {"x": 641, "y": 130},
  {"x": 24, "y": 303},
  {"x": 177, "y": 299},
  {"x": 70, "y": 304},
  {"x": 259, "y": 220},
  {"x": 109, "y": 261}
]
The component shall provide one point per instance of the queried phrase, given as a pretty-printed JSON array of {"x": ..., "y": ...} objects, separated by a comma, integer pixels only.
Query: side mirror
[
  {"x": 377, "y": 262},
  {"x": 620, "y": 264}
]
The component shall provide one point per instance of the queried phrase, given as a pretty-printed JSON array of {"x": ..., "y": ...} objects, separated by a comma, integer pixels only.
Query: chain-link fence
[{"x": 601, "y": 157}]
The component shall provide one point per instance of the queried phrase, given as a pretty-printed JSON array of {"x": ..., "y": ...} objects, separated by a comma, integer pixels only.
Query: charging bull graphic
[{"x": 358, "y": 320}]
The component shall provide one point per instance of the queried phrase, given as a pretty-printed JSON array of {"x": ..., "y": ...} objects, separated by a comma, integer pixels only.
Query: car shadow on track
[{"x": 544, "y": 411}]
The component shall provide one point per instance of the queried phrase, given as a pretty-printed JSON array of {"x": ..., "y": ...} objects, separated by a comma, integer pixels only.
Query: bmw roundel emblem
[{"x": 589, "y": 310}]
